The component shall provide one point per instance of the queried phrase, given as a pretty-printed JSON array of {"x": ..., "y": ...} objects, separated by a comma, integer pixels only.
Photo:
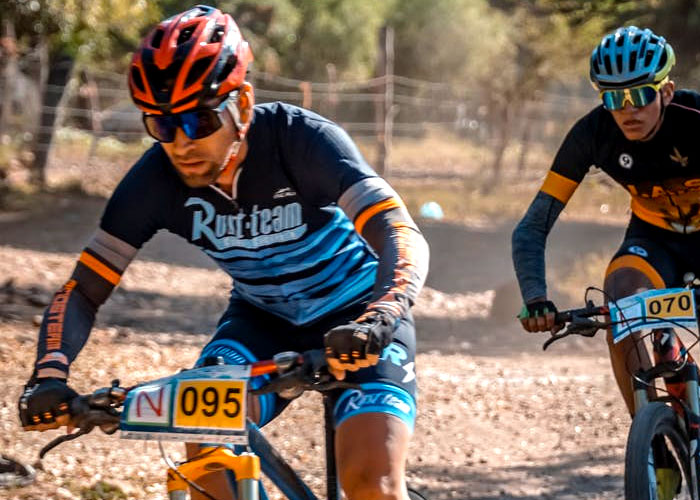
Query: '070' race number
[
  {"x": 675, "y": 305},
  {"x": 210, "y": 404}
]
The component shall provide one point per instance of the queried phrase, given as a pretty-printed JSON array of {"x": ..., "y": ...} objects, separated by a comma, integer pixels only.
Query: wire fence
[{"x": 95, "y": 105}]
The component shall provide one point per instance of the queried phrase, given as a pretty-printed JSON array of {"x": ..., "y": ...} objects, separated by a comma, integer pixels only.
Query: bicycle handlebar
[
  {"x": 579, "y": 322},
  {"x": 295, "y": 372}
]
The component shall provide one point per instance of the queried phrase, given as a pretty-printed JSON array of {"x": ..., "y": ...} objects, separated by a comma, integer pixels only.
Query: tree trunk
[
  {"x": 502, "y": 140},
  {"x": 8, "y": 49},
  {"x": 529, "y": 119},
  {"x": 60, "y": 67}
]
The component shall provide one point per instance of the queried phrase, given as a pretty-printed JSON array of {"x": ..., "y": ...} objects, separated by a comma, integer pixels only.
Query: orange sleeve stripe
[
  {"x": 373, "y": 210},
  {"x": 100, "y": 268},
  {"x": 558, "y": 186},
  {"x": 638, "y": 263}
]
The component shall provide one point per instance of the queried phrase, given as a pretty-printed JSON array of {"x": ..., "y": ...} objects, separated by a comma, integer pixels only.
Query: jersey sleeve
[
  {"x": 127, "y": 222},
  {"x": 382, "y": 219},
  {"x": 571, "y": 163},
  {"x": 322, "y": 160},
  {"x": 327, "y": 168}
]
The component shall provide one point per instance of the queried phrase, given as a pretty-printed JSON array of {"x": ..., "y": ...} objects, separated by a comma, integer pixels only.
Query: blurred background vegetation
[{"x": 457, "y": 100}]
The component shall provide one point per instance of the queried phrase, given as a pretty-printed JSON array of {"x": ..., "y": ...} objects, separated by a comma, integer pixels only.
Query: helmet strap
[
  {"x": 240, "y": 123},
  {"x": 660, "y": 120}
]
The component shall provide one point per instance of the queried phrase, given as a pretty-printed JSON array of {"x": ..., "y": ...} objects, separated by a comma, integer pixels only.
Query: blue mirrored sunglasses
[
  {"x": 638, "y": 97},
  {"x": 195, "y": 124}
]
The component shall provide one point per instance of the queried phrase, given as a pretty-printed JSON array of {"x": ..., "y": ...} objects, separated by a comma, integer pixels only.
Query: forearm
[
  {"x": 403, "y": 263},
  {"x": 70, "y": 316},
  {"x": 529, "y": 242},
  {"x": 380, "y": 216},
  {"x": 64, "y": 330}
]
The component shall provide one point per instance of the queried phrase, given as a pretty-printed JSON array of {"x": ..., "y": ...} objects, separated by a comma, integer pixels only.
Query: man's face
[
  {"x": 198, "y": 162},
  {"x": 638, "y": 123}
]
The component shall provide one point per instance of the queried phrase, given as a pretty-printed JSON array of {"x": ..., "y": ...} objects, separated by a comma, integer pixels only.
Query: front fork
[
  {"x": 245, "y": 466},
  {"x": 682, "y": 384}
]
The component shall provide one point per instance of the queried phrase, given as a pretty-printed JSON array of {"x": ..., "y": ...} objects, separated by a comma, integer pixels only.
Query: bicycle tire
[
  {"x": 656, "y": 419},
  {"x": 414, "y": 495}
]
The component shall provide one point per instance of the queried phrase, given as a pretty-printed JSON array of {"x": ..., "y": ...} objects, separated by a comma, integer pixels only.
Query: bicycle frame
[{"x": 247, "y": 467}]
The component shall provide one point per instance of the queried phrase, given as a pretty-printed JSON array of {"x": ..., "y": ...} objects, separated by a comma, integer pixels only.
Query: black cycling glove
[
  {"x": 537, "y": 309},
  {"x": 43, "y": 400},
  {"x": 359, "y": 339}
]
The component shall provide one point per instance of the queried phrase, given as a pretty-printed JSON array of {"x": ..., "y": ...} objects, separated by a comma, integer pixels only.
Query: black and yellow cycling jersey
[{"x": 662, "y": 174}]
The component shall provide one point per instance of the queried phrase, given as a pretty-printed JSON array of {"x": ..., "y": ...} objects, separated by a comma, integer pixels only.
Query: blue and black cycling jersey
[{"x": 309, "y": 229}]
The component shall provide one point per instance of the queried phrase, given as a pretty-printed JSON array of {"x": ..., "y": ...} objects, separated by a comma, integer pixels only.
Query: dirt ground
[{"x": 498, "y": 418}]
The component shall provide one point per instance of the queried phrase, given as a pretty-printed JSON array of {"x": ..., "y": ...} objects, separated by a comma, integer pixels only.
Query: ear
[
  {"x": 667, "y": 92},
  {"x": 246, "y": 101}
]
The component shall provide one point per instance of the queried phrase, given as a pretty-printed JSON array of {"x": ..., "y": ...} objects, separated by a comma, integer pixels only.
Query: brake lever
[
  {"x": 554, "y": 337},
  {"x": 580, "y": 326},
  {"x": 62, "y": 439}
]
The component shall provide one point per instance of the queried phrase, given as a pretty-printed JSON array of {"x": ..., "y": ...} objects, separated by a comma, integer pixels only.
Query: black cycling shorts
[
  {"x": 246, "y": 333},
  {"x": 664, "y": 256}
]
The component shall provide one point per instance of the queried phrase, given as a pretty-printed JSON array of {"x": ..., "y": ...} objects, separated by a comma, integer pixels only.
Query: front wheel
[
  {"x": 657, "y": 462},
  {"x": 414, "y": 495}
]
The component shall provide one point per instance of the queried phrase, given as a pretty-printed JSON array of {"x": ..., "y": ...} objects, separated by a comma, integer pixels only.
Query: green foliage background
[{"x": 511, "y": 46}]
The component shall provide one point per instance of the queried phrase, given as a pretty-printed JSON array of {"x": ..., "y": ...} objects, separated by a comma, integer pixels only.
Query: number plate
[
  {"x": 676, "y": 306},
  {"x": 200, "y": 405},
  {"x": 653, "y": 309},
  {"x": 210, "y": 404}
]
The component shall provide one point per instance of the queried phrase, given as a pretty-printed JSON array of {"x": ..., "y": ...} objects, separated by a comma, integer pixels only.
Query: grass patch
[{"x": 102, "y": 491}]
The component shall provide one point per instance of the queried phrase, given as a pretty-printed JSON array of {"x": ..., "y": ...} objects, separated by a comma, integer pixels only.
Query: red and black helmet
[{"x": 191, "y": 60}]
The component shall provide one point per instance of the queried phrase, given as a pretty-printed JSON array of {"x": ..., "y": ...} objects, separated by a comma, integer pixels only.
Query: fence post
[{"x": 385, "y": 111}]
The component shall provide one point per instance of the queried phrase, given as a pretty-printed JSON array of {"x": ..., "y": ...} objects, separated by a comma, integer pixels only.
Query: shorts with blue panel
[{"x": 246, "y": 333}]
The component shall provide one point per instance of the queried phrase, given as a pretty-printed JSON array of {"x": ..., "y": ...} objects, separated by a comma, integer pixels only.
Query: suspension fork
[{"x": 332, "y": 489}]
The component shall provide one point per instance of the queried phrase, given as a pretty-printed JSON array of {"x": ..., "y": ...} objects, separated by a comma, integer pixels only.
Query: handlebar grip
[{"x": 562, "y": 317}]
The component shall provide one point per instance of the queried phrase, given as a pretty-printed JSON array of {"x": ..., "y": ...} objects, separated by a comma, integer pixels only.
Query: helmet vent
[
  {"x": 157, "y": 39},
  {"x": 608, "y": 65},
  {"x": 648, "y": 57},
  {"x": 633, "y": 60},
  {"x": 198, "y": 69},
  {"x": 185, "y": 35},
  {"x": 618, "y": 61},
  {"x": 137, "y": 80},
  {"x": 663, "y": 59},
  {"x": 217, "y": 35},
  {"x": 228, "y": 67}
]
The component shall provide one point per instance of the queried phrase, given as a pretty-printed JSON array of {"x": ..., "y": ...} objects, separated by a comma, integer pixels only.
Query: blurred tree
[
  {"x": 298, "y": 38},
  {"x": 59, "y": 33},
  {"x": 338, "y": 32}
]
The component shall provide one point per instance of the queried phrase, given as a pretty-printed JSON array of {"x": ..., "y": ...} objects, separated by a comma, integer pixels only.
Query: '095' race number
[{"x": 210, "y": 404}]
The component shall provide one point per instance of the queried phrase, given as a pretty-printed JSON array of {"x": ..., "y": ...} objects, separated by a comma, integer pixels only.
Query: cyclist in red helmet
[{"x": 322, "y": 251}]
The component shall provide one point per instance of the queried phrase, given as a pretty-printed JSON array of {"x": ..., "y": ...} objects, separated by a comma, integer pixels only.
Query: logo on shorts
[
  {"x": 626, "y": 161},
  {"x": 637, "y": 250}
]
